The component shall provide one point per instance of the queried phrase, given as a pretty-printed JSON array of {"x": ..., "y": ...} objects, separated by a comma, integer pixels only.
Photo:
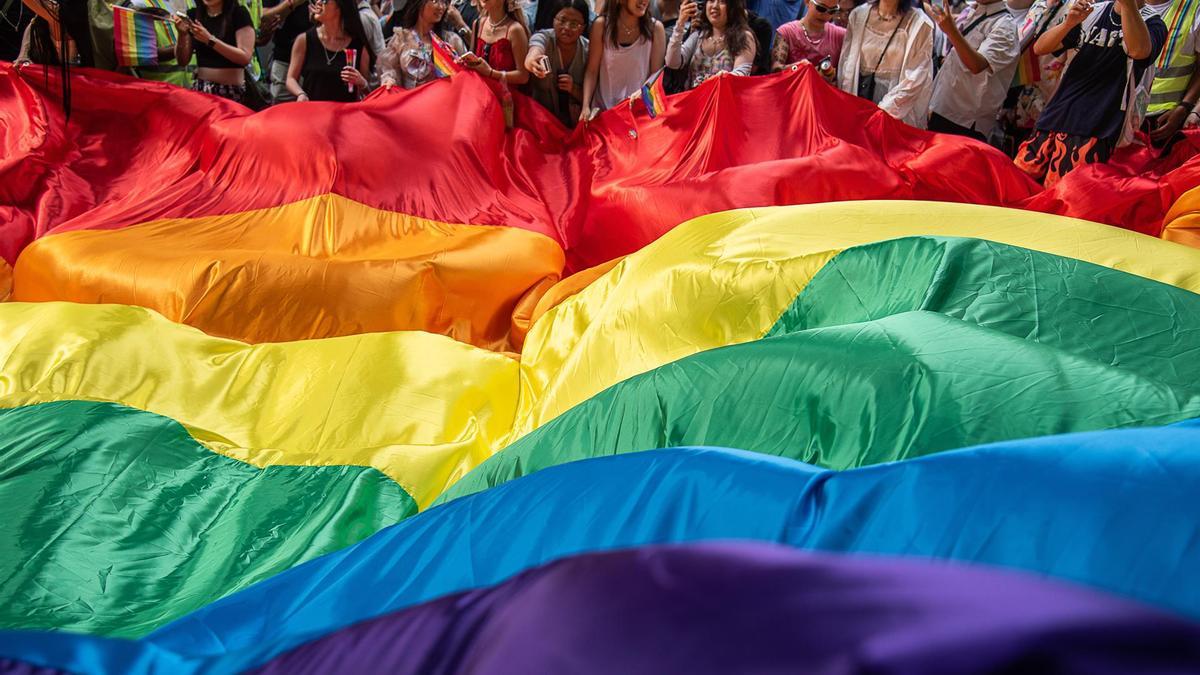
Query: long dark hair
[
  {"x": 612, "y": 14},
  {"x": 351, "y": 23},
  {"x": 73, "y": 19},
  {"x": 737, "y": 25},
  {"x": 412, "y": 13},
  {"x": 42, "y": 49}
]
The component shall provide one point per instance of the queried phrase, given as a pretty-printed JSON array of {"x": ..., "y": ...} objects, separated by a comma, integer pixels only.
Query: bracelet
[{"x": 1187, "y": 104}]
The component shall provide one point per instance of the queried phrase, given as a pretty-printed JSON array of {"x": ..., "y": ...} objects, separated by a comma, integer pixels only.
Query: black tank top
[{"x": 322, "y": 73}]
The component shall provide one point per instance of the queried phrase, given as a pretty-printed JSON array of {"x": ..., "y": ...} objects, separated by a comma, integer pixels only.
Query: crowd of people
[{"x": 1055, "y": 83}]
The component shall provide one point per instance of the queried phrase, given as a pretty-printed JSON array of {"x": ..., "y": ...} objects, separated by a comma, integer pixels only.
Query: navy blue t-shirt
[{"x": 1088, "y": 101}]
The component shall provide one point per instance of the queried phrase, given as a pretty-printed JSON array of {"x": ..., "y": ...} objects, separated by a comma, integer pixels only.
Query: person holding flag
[
  {"x": 409, "y": 60},
  {"x": 626, "y": 45},
  {"x": 221, "y": 35}
]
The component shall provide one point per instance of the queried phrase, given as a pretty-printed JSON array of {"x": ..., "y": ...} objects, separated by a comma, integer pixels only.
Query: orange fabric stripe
[
  {"x": 1182, "y": 223},
  {"x": 321, "y": 267}
]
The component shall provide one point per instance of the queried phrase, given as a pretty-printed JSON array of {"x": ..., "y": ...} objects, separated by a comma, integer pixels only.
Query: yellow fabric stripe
[
  {"x": 725, "y": 278},
  {"x": 412, "y": 404},
  {"x": 425, "y": 409}
]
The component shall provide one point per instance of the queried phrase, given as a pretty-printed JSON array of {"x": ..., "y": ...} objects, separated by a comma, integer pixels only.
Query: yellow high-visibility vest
[{"x": 1174, "y": 64}]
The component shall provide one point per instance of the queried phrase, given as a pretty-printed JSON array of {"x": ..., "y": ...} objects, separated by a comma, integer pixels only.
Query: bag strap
[
  {"x": 889, "y": 42},
  {"x": 1047, "y": 18},
  {"x": 979, "y": 20}
]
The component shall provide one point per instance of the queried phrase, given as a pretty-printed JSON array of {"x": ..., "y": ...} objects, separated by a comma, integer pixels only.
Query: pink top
[{"x": 801, "y": 47}]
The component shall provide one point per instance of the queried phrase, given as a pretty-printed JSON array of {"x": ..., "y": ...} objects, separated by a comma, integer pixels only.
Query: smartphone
[{"x": 545, "y": 63}]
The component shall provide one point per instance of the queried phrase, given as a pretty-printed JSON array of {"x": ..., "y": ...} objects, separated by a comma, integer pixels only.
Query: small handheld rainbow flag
[
  {"x": 1029, "y": 68},
  {"x": 654, "y": 95},
  {"x": 134, "y": 38},
  {"x": 443, "y": 57}
]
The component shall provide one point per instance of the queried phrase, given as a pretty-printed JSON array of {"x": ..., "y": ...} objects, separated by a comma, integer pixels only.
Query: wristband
[{"x": 1187, "y": 104}]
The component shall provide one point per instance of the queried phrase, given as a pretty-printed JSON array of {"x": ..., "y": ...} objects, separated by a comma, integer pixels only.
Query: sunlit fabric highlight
[
  {"x": 603, "y": 192},
  {"x": 421, "y": 408},
  {"x": 320, "y": 267},
  {"x": 900, "y": 349},
  {"x": 425, "y": 409},
  {"x": 739, "y": 608},
  {"x": 116, "y": 521},
  {"x": 1038, "y": 505}
]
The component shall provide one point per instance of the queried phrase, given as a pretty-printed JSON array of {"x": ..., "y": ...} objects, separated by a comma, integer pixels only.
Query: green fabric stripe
[
  {"x": 900, "y": 349},
  {"x": 116, "y": 521}
]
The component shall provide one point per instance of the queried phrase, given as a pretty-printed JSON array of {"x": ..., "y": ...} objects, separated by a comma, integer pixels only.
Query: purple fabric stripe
[
  {"x": 743, "y": 607},
  {"x": 11, "y": 667}
]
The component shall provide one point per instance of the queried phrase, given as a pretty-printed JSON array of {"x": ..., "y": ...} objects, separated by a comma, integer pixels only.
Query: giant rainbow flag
[{"x": 767, "y": 383}]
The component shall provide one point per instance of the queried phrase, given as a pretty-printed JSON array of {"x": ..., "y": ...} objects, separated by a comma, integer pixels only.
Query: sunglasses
[{"x": 826, "y": 10}]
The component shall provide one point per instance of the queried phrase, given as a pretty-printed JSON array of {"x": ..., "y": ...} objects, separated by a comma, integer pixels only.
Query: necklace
[
  {"x": 885, "y": 17},
  {"x": 492, "y": 27},
  {"x": 811, "y": 41},
  {"x": 330, "y": 58},
  {"x": 714, "y": 44}
]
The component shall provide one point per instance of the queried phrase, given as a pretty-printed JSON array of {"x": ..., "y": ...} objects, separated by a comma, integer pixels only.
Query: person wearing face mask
[
  {"x": 557, "y": 60},
  {"x": 721, "y": 42},
  {"x": 813, "y": 38},
  {"x": 625, "y": 47},
  {"x": 407, "y": 60}
]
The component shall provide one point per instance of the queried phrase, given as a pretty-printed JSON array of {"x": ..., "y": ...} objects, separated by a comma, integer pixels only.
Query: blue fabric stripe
[{"x": 1112, "y": 509}]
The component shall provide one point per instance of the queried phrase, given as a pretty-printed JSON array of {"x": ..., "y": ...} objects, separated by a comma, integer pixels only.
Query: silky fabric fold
[
  {"x": 116, "y": 521},
  {"x": 899, "y": 349},
  {"x": 145, "y": 151},
  {"x": 745, "y": 607},
  {"x": 421, "y": 408},
  {"x": 726, "y": 278},
  {"x": 425, "y": 410},
  {"x": 1038, "y": 504},
  {"x": 317, "y": 268}
]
